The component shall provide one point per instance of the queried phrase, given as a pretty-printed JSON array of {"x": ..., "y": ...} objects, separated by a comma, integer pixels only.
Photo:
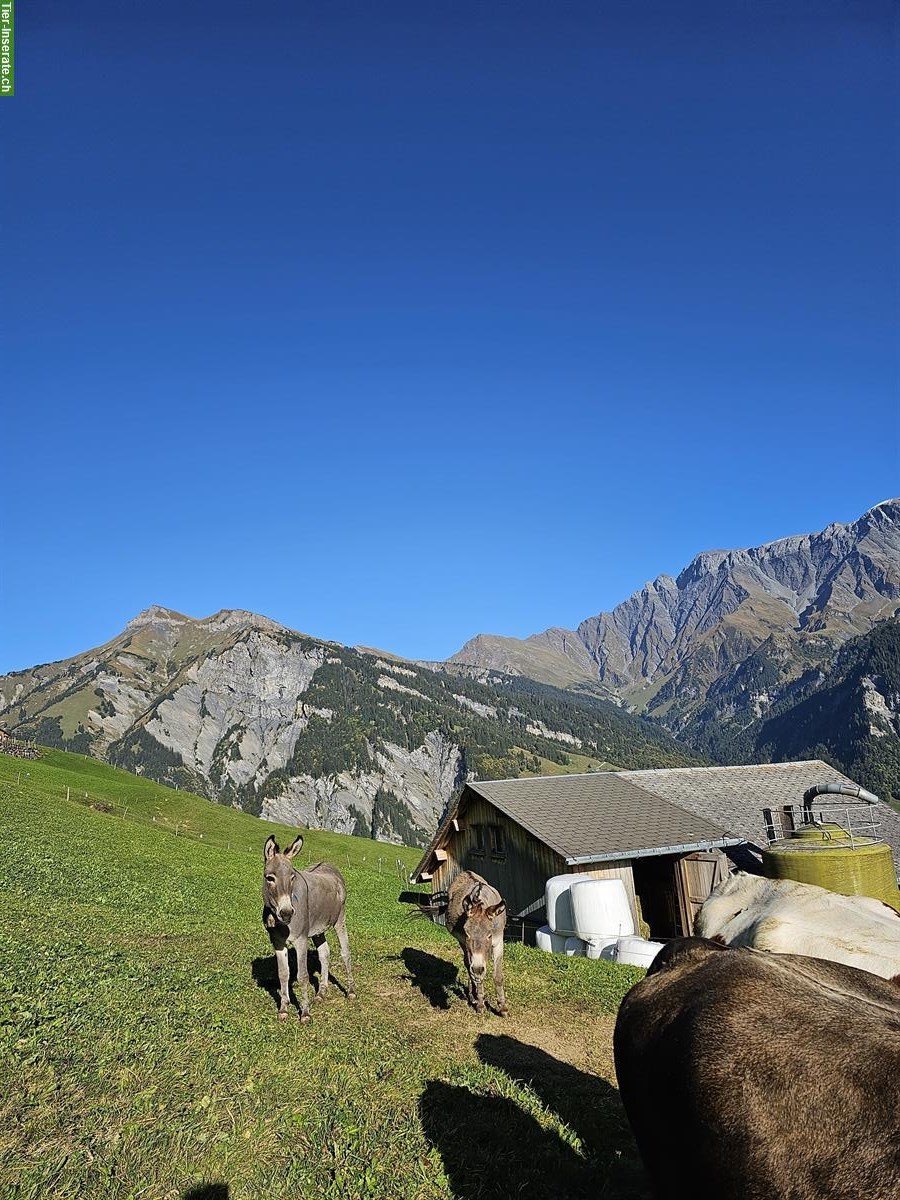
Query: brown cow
[{"x": 753, "y": 1076}]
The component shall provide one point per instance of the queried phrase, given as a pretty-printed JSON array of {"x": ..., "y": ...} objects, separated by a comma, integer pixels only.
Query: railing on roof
[{"x": 859, "y": 824}]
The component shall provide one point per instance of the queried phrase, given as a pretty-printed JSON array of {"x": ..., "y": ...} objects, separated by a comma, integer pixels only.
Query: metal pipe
[{"x": 837, "y": 789}]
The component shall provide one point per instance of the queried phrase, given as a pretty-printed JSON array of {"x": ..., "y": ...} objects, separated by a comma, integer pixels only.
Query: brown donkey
[
  {"x": 298, "y": 905},
  {"x": 476, "y": 916}
]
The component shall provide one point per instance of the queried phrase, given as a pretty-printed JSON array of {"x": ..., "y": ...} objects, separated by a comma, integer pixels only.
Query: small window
[
  {"x": 480, "y": 845},
  {"x": 496, "y": 839}
]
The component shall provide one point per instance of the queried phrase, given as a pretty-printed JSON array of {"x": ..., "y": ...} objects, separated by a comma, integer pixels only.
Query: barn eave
[{"x": 652, "y": 851}]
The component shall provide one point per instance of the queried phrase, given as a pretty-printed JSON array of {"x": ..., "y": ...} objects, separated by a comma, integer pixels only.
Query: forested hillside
[
  {"x": 246, "y": 712},
  {"x": 848, "y": 714}
]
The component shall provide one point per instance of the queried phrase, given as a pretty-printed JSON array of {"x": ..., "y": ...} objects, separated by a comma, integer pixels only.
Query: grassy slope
[
  {"x": 141, "y": 1054},
  {"x": 578, "y": 764}
]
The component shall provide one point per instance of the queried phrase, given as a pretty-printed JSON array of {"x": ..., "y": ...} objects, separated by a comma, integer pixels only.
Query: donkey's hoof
[
  {"x": 479, "y": 1008},
  {"x": 282, "y": 1014},
  {"x": 351, "y": 995},
  {"x": 304, "y": 1018},
  {"x": 503, "y": 1011}
]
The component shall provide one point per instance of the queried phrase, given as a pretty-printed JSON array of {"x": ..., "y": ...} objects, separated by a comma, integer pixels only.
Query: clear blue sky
[{"x": 398, "y": 322}]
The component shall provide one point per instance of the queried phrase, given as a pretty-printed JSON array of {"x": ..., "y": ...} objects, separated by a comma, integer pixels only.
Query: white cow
[{"x": 798, "y": 918}]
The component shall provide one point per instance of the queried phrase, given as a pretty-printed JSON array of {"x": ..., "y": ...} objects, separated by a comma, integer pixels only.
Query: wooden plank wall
[{"x": 519, "y": 871}]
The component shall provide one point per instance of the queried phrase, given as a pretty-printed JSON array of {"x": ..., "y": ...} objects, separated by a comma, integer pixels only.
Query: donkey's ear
[
  {"x": 295, "y": 847},
  {"x": 495, "y": 909},
  {"x": 469, "y": 902},
  {"x": 270, "y": 849}
]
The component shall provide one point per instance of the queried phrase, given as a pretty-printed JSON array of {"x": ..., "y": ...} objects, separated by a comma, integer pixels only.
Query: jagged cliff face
[
  {"x": 722, "y": 641},
  {"x": 847, "y": 711},
  {"x": 836, "y": 582},
  {"x": 308, "y": 732}
]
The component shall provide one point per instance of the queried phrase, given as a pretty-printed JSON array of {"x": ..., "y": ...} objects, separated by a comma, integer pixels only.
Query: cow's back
[
  {"x": 788, "y": 917},
  {"x": 757, "y": 1077}
]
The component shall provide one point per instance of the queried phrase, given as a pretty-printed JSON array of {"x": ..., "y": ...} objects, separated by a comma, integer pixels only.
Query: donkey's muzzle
[{"x": 285, "y": 912}]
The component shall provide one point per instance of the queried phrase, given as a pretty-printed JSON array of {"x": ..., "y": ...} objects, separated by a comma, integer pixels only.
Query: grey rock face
[
  {"x": 237, "y": 714},
  {"x": 423, "y": 779},
  {"x": 667, "y": 647}
]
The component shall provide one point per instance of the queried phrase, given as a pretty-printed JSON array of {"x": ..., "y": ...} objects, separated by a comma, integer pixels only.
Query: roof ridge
[
  {"x": 544, "y": 778},
  {"x": 799, "y": 762}
]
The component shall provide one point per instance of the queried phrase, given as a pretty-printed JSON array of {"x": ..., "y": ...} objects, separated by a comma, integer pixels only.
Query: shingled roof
[
  {"x": 600, "y": 815},
  {"x": 625, "y": 814},
  {"x": 589, "y": 818},
  {"x": 734, "y": 797}
]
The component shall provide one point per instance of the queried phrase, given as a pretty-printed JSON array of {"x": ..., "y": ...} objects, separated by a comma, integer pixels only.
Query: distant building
[{"x": 667, "y": 834}]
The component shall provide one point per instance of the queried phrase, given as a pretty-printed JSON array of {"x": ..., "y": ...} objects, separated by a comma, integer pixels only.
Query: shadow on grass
[
  {"x": 435, "y": 978},
  {"x": 207, "y": 1191},
  {"x": 492, "y": 1148},
  {"x": 589, "y": 1105},
  {"x": 265, "y": 974}
]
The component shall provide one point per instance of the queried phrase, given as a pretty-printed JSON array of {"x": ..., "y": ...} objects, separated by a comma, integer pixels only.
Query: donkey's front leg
[
  {"x": 497, "y": 947},
  {"x": 469, "y": 976},
  {"x": 284, "y": 980},
  {"x": 303, "y": 978},
  {"x": 478, "y": 992}
]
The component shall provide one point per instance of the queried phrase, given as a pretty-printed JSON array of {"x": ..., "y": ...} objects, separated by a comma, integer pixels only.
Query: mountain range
[
  {"x": 247, "y": 712},
  {"x": 720, "y": 645},
  {"x": 786, "y": 650}
]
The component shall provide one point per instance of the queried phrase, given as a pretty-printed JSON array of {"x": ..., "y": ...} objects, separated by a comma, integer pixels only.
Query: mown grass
[{"x": 140, "y": 1054}]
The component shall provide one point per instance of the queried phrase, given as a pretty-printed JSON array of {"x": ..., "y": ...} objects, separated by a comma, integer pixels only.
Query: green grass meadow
[{"x": 140, "y": 1054}]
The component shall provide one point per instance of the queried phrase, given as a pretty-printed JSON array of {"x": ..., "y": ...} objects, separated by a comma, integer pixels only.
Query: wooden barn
[{"x": 668, "y": 834}]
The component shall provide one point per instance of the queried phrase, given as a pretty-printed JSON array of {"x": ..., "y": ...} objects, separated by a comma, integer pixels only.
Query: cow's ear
[
  {"x": 495, "y": 909},
  {"x": 270, "y": 849},
  {"x": 295, "y": 847}
]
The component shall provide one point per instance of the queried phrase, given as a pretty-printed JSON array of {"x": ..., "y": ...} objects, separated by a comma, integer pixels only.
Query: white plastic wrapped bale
[
  {"x": 553, "y": 943},
  {"x": 575, "y": 945},
  {"x": 637, "y": 951},
  {"x": 558, "y": 902},
  {"x": 601, "y": 909},
  {"x": 602, "y": 948}
]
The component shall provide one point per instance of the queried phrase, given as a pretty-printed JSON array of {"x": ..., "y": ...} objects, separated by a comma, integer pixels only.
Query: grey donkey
[
  {"x": 298, "y": 905},
  {"x": 476, "y": 916}
]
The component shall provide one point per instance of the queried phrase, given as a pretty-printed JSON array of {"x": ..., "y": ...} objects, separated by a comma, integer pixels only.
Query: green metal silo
[
  {"x": 831, "y": 854},
  {"x": 823, "y": 855}
]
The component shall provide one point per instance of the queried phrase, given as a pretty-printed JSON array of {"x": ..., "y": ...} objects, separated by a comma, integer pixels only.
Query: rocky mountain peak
[
  {"x": 669, "y": 643},
  {"x": 306, "y": 731},
  {"x": 156, "y": 614}
]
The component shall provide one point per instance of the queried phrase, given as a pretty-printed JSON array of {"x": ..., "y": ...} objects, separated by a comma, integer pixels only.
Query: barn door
[{"x": 696, "y": 875}]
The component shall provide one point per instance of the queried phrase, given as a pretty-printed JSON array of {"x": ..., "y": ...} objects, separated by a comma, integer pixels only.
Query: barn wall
[
  {"x": 522, "y": 866},
  {"x": 518, "y": 870}
]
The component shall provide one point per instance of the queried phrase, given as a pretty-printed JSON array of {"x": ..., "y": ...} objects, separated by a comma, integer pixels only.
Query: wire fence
[{"x": 380, "y": 860}]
